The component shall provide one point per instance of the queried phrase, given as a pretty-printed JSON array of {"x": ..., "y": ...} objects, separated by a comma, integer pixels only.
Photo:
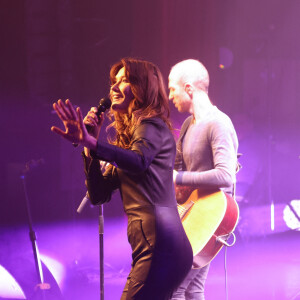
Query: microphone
[{"x": 104, "y": 104}]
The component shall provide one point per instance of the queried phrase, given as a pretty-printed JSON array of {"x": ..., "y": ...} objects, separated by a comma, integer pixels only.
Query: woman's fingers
[
  {"x": 66, "y": 110},
  {"x": 94, "y": 110},
  {"x": 71, "y": 109},
  {"x": 90, "y": 121},
  {"x": 79, "y": 115},
  {"x": 63, "y": 109},
  {"x": 101, "y": 117},
  {"x": 59, "y": 111},
  {"x": 91, "y": 118},
  {"x": 93, "y": 114},
  {"x": 58, "y": 131}
]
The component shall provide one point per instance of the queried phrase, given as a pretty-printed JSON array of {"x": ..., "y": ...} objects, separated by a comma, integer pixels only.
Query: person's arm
[
  {"x": 100, "y": 186},
  {"x": 224, "y": 159},
  {"x": 146, "y": 143}
]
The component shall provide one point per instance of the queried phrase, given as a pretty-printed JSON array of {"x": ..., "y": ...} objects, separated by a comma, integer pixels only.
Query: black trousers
[{"x": 161, "y": 253}]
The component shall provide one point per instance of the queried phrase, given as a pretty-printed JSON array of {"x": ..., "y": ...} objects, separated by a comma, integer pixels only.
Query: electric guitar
[{"x": 209, "y": 219}]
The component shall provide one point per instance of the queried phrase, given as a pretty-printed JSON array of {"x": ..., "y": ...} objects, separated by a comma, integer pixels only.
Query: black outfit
[{"x": 161, "y": 252}]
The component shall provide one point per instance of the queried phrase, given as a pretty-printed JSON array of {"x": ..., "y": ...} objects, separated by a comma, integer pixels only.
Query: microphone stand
[
  {"x": 101, "y": 241},
  {"x": 101, "y": 251},
  {"x": 37, "y": 260}
]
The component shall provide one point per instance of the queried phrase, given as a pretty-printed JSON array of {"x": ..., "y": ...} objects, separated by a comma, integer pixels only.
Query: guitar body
[{"x": 205, "y": 217}]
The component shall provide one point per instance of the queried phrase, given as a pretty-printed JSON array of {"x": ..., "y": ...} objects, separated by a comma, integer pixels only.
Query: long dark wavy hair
[{"x": 150, "y": 99}]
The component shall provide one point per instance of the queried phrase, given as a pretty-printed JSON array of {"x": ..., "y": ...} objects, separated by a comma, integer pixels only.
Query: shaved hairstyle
[{"x": 193, "y": 72}]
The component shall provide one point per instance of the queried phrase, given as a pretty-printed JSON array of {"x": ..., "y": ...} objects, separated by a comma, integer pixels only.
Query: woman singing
[{"x": 141, "y": 158}]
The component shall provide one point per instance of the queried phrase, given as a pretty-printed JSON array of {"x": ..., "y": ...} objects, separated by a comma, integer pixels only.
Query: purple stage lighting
[{"x": 9, "y": 288}]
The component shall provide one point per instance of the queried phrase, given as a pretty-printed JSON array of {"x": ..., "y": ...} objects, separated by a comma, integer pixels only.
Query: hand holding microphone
[
  {"x": 75, "y": 129},
  {"x": 94, "y": 120}
]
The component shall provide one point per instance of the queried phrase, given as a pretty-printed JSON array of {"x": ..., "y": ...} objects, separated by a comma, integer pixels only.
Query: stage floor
[{"x": 266, "y": 268}]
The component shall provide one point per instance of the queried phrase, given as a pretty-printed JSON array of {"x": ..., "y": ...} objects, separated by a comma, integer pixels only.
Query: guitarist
[{"x": 206, "y": 150}]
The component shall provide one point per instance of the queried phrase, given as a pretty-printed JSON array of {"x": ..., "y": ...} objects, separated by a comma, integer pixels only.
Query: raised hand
[{"x": 75, "y": 130}]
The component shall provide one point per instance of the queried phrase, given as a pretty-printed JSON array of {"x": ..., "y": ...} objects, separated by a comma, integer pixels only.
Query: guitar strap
[
  {"x": 179, "y": 164},
  {"x": 238, "y": 167}
]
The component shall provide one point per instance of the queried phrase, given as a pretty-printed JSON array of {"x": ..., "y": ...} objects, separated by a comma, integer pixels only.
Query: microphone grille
[{"x": 106, "y": 102}]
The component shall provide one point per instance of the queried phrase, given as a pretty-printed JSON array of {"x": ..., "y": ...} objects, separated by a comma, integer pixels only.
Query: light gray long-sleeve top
[{"x": 207, "y": 152}]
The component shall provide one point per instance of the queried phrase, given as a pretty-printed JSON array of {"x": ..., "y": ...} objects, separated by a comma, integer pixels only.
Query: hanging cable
[
  {"x": 225, "y": 270},
  {"x": 223, "y": 239}
]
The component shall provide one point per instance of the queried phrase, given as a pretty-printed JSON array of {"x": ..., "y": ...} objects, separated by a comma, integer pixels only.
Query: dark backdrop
[{"x": 54, "y": 49}]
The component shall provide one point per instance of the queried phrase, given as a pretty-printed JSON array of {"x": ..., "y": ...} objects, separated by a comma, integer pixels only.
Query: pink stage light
[{"x": 56, "y": 268}]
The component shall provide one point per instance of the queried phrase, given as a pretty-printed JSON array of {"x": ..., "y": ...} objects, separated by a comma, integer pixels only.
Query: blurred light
[
  {"x": 56, "y": 269},
  {"x": 225, "y": 57},
  {"x": 9, "y": 288},
  {"x": 291, "y": 215},
  {"x": 272, "y": 217}
]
